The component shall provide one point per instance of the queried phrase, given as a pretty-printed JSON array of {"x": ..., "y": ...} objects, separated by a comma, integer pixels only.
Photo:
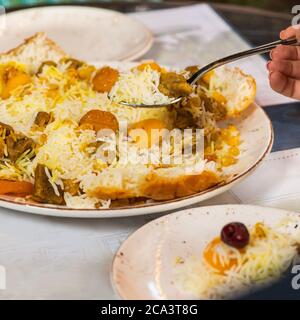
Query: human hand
[{"x": 284, "y": 67}]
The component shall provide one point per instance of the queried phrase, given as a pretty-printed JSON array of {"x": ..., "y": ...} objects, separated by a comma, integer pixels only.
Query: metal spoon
[{"x": 202, "y": 71}]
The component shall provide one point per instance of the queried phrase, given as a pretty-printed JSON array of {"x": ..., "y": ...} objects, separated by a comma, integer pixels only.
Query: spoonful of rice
[{"x": 150, "y": 86}]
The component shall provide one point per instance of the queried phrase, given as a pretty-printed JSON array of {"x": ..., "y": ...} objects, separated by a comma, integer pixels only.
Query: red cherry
[{"x": 235, "y": 234}]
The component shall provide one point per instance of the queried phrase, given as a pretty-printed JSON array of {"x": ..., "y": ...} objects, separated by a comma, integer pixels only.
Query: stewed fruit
[{"x": 235, "y": 234}]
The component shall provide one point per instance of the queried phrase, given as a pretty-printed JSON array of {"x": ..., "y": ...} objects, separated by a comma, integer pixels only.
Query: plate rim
[
  {"x": 135, "y": 54},
  {"x": 182, "y": 212},
  {"x": 129, "y": 211}
]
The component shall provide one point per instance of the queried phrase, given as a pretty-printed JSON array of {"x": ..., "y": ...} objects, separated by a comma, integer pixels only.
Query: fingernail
[
  {"x": 282, "y": 34},
  {"x": 271, "y": 54},
  {"x": 268, "y": 64}
]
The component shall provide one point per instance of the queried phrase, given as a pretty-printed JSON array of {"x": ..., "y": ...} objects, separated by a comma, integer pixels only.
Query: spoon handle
[{"x": 257, "y": 50}]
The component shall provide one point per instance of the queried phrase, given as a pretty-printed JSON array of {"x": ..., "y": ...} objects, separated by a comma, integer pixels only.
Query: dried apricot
[
  {"x": 214, "y": 260},
  {"x": 151, "y": 64},
  {"x": 13, "y": 79},
  {"x": 147, "y": 132},
  {"x": 99, "y": 120},
  {"x": 104, "y": 79}
]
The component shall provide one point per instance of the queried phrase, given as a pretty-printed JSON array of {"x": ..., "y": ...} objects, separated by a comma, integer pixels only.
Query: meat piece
[
  {"x": 8, "y": 129},
  {"x": 174, "y": 85},
  {"x": 71, "y": 187},
  {"x": 105, "y": 79},
  {"x": 17, "y": 144},
  {"x": 2, "y": 148},
  {"x": 217, "y": 108},
  {"x": 5, "y": 131},
  {"x": 43, "y": 190},
  {"x": 73, "y": 63},
  {"x": 46, "y": 63},
  {"x": 42, "y": 119},
  {"x": 184, "y": 119},
  {"x": 190, "y": 112},
  {"x": 98, "y": 120},
  {"x": 202, "y": 108}
]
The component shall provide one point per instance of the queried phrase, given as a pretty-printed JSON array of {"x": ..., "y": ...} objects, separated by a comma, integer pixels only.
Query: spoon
[{"x": 202, "y": 71}]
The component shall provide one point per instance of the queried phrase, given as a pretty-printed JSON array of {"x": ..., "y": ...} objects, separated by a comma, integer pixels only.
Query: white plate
[
  {"x": 144, "y": 267},
  {"x": 257, "y": 136},
  {"x": 91, "y": 34},
  {"x": 257, "y": 139}
]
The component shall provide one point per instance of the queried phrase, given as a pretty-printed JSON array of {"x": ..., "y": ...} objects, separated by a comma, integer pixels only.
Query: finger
[
  {"x": 285, "y": 85},
  {"x": 285, "y": 53},
  {"x": 287, "y": 33},
  {"x": 290, "y": 32},
  {"x": 287, "y": 67}
]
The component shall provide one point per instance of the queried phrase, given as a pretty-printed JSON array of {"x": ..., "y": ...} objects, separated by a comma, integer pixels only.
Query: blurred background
[
  {"x": 258, "y": 21},
  {"x": 274, "y": 5}
]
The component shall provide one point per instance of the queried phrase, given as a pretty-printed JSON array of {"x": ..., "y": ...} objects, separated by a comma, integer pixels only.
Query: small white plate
[
  {"x": 144, "y": 267},
  {"x": 91, "y": 34}
]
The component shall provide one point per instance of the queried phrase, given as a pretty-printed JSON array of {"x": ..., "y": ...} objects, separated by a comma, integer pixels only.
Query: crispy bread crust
[
  {"x": 159, "y": 187},
  {"x": 250, "y": 99},
  {"x": 48, "y": 42},
  {"x": 168, "y": 188},
  {"x": 107, "y": 193}
]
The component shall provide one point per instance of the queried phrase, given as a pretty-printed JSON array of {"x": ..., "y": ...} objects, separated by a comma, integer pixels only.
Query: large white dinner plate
[
  {"x": 144, "y": 266},
  {"x": 257, "y": 139},
  {"x": 91, "y": 34}
]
